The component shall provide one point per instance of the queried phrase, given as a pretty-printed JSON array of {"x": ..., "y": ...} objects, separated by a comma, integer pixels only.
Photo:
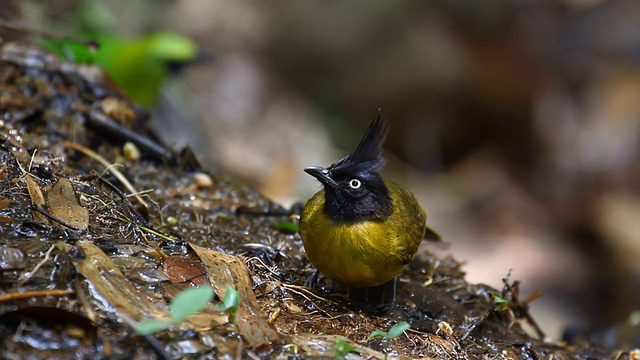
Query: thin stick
[
  {"x": 53, "y": 218},
  {"x": 309, "y": 300},
  {"x": 28, "y": 294},
  {"x": 109, "y": 166},
  {"x": 27, "y": 275},
  {"x": 306, "y": 290}
]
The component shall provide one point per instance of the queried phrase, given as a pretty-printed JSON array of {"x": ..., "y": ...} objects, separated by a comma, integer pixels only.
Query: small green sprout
[
  {"x": 286, "y": 227},
  {"x": 395, "y": 331},
  {"x": 230, "y": 303},
  {"x": 499, "y": 300},
  {"x": 343, "y": 348},
  {"x": 186, "y": 303}
]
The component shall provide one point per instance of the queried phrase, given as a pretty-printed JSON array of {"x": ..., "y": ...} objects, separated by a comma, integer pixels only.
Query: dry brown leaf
[
  {"x": 226, "y": 270},
  {"x": 109, "y": 280},
  {"x": 180, "y": 270},
  {"x": 4, "y": 203},
  {"x": 64, "y": 205},
  {"x": 37, "y": 199}
]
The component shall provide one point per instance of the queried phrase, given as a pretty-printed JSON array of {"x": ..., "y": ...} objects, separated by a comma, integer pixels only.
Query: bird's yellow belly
[
  {"x": 355, "y": 254},
  {"x": 364, "y": 253}
]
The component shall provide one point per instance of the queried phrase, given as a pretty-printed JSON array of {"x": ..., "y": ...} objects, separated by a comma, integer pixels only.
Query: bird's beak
[{"x": 322, "y": 174}]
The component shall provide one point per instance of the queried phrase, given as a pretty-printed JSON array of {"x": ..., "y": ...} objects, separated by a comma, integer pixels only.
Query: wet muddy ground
[{"x": 102, "y": 226}]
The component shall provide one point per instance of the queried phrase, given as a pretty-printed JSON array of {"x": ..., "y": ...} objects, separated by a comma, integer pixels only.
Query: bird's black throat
[{"x": 373, "y": 203}]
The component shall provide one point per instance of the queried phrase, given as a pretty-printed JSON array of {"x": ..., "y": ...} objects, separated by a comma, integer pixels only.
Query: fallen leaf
[
  {"x": 180, "y": 270},
  {"x": 37, "y": 199},
  {"x": 226, "y": 270},
  {"x": 98, "y": 268},
  {"x": 64, "y": 205}
]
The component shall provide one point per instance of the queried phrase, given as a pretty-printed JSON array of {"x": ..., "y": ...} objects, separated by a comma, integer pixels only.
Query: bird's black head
[{"x": 353, "y": 188}]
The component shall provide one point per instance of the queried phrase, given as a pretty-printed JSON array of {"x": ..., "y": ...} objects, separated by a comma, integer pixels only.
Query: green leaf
[
  {"x": 151, "y": 326},
  {"x": 398, "y": 329},
  {"x": 378, "y": 333},
  {"x": 499, "y": 300},
  {"x": 343, "y": 348},
  {"x": 71, "y": 51},
  {"x": 286, "y": 227},
  {"x": 230, "y": 301},
  {"x": 189, "y": 301}
]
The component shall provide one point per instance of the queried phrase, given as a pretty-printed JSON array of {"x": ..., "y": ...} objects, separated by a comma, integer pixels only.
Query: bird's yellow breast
[{"x": 367, "y": 252}]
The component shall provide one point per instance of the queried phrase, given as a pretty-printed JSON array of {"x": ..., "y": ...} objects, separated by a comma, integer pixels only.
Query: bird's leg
[
  {"x": 384, "y": 294},
  {"x": 392, "y": 290},
  {"x": 379, "y": 299},
  {"x": 312, "y": 281}
]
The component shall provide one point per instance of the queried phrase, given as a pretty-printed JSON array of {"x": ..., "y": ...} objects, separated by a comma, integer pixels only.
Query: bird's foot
[{"x": 312, "y": 281}]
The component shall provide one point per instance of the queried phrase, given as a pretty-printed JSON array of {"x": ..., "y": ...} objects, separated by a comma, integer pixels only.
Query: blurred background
[{"x": 516, "y": 123}]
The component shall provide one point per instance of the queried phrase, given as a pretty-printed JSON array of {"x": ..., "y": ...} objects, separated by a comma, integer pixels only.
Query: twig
[
  {"x": 306, "y": 290},
  {"x": 299, "y": 292},
  {"x": 248, "y": 260},
  {"x": 157, "y": 347},
  {"x": 99, "y": 121},
  {"x": 28, "y": 294},
  {"x": 110, "y": 167},
  {"x": 53, "y": 218},
  {"x": 29, "y": 274},
  {"x": 33, "y": 156}
]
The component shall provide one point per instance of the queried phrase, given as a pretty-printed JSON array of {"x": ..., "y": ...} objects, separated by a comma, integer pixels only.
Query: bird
[{"x": 360, "y": 229}]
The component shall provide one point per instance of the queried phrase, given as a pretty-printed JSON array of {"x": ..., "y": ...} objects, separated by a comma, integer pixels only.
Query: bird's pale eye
[{"x": 355, "y": 183}]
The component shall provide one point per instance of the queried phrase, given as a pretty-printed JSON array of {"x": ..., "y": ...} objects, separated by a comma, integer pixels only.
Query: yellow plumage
[{"x": 363, "y": 253}]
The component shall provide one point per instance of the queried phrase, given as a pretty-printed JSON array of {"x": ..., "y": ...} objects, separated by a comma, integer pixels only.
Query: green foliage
[
  {"x": 189, "y": 301},
  {"x": 138, "y": 66},
  {"x": 342, "y": 348},
  {"x": 286, "y": 227},
  {"x": 398, "y": 329},
  {"x": 499, "y": 300},
  {"x": 151, "y": 326},
  {"x": 230, "y": 303},
  {"x": 72, "y": 51},
  {"x": 395, "y": 331},
  {"x": 186, "y": 303}
]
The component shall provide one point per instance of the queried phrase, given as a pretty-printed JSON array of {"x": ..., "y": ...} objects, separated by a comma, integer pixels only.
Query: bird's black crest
[
  {"x": 371, "y": 200},
  {"x": 368, "y": 154}
]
